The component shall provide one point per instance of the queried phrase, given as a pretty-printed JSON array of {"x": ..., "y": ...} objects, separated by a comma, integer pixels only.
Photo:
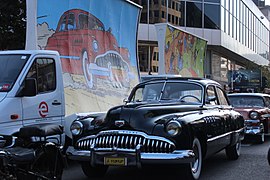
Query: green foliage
[{"x": 13, "y": 24}]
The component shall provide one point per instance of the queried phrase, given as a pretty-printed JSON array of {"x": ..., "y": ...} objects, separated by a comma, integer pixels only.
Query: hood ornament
[{"x": 119, "y": 123}]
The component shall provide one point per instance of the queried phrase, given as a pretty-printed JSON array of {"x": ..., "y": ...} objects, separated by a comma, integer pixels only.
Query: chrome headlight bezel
[
  {"x": 76, "y": 128},
  {"x": 173, "y": 128},
  {"x": 254, "y": 115}
]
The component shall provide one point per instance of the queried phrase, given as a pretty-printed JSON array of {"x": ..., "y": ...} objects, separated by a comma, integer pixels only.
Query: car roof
[
  {"x": 248, "y": 94},
  {"x": 204, "y": 81}
]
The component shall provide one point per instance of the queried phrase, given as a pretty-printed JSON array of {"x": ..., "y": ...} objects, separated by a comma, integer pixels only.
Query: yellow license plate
[{"x": 115, "y": 161}]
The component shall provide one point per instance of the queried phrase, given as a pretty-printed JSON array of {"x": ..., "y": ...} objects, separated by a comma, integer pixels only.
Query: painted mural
[
  {"x": 184, "y": 53},
  {"x": 97, "y": 42}
]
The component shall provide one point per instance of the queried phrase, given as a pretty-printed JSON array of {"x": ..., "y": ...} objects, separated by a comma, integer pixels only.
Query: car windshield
[
  {"x": 11, "y": 66},
  {"x": 246, "y": 101},
  {"x": 169, "y": 91}
]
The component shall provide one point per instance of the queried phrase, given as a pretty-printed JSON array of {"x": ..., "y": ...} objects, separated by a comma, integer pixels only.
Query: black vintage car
[{"x": 164, "y": 121}]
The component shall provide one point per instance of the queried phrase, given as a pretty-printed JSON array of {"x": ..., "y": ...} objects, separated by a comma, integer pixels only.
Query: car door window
[
  {"x": 63, "y": 24},
  {"x": 267, "y": 101},
  {"x": 43, "y": 70},
  {"x": 71, "y": 22},
  {"x": 221, "y": 97},
  {"x": 211, "y": 97}
]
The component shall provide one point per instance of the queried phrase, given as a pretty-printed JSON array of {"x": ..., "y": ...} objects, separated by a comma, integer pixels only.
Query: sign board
[
  {"x": 97, "y": 42},
  {"x": 180, "y": 52}
]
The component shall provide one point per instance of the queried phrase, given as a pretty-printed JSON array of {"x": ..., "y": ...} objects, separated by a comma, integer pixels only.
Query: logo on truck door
[{"x": 43, "y": 109}]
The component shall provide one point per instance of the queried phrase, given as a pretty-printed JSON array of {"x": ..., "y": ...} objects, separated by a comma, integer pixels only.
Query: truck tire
[
  {"x": 91, "y": 172},
  {"x": 233, "y": 152}
]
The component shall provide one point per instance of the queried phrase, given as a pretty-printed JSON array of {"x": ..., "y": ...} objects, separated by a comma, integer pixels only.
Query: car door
[
  {"x": 47, "y": 106},
  {"x": 214, "y": 120},
  {"x": 226, "y": 116}
]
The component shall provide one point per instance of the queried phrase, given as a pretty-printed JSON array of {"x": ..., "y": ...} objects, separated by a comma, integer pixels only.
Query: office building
[{"x": 236, "y": 30}]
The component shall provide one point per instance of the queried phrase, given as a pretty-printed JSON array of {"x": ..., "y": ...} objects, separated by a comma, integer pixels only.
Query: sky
[{"x": 267, "y": 2}]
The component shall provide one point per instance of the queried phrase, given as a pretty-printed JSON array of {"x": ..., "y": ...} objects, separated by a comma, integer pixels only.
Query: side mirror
[{"x": 29, "y": 88}]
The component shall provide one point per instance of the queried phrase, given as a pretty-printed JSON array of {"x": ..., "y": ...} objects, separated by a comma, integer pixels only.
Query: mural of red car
[{"x": 86, "y": 48}]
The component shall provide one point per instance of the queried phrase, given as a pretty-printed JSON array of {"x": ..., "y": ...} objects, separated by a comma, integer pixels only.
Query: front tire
[
  {"x": 91, "y": 172},
  {"x": 233, "y": 152},
  {"x": 193, "y": 170}
]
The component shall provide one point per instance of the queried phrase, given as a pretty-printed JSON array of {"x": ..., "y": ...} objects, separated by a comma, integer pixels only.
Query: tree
[
  {"x": 266, "y": 75},
  {"x": 13, "y": 24}
]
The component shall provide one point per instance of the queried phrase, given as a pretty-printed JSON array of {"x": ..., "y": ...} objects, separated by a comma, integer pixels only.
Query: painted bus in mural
[{"x": 86, "y": 48}]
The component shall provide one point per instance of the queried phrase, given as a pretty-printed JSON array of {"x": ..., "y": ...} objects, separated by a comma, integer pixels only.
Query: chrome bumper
[
  {"x": 254, "y": 130},
  {"x": 133, "y": 157}
]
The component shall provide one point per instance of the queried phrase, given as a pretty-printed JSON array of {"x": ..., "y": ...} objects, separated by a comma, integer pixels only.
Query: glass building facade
[{"x": 241, "y": 29}]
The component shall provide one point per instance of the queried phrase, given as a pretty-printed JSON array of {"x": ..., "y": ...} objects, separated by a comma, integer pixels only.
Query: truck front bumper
[{"x": 129, "y": 157}]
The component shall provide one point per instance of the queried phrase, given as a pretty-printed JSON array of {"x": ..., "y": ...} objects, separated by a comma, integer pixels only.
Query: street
[{"x": 252, "y": 164}]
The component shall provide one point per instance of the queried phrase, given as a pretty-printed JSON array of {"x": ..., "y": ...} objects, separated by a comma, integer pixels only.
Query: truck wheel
[
  {"x": 233, "y": 152},
  {"x": 86, "y": 71},
  {"x": 193, "y": 170},
  {"x": 91, "y": 172}
]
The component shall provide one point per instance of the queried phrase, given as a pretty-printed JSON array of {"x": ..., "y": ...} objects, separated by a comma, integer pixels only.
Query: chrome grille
[{"x": 126, "y": 140}]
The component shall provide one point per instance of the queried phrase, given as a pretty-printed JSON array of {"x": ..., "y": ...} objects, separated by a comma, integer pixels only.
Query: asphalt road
[{"x": 251, "y": 165}]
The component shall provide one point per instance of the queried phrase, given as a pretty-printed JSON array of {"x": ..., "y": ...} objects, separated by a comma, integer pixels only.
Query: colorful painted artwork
[
  {"x": 184, "y": 53},
  {"x": 97, "y": 42}
]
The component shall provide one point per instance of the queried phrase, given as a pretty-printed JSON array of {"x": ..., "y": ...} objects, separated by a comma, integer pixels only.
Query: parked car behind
[
  {"x": 165, "y": 121},
  {"x": 255, "y": 108}
]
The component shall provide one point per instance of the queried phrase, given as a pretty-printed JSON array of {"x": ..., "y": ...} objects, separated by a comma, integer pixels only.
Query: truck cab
[{"x": 31, "y": 89}]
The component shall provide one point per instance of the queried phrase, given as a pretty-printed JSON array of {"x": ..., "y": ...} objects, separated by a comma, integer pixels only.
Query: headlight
[
  {"x": 254, "y": 115},
  {"x": 173, "y": 128},
  {"x": 76, "y": 128}
]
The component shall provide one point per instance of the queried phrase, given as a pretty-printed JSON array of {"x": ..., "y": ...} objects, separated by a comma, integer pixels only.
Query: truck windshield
[{"x": 10, "y": 68}]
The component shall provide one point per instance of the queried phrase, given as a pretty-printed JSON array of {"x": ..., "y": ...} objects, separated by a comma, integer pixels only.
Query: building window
[
  {"x": 211, "y": 16},
  {"x": 194, "y": 14},
  {"x": 212, "y": 1}
]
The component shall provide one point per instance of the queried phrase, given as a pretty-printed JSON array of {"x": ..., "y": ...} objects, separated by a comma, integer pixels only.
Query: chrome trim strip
[
  {"x": 126, "y": 132},
  {"x": 252, "y": 121},
  {"x": 224, "y": 135}
]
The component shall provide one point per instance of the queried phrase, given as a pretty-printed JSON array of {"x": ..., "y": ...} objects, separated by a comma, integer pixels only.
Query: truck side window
[{"x": 43, "y": 69}]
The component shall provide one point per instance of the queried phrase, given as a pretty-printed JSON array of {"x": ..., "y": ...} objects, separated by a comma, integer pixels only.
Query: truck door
[{"x": 47, "y": 105}]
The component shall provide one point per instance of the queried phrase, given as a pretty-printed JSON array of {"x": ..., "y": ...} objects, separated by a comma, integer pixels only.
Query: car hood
[
  {"x": 146, "y": 117},
  {"x": 2, "y": 96}
]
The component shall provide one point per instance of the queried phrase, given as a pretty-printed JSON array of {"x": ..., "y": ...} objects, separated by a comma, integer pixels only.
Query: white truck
[{"x": 31, "y": 90}]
